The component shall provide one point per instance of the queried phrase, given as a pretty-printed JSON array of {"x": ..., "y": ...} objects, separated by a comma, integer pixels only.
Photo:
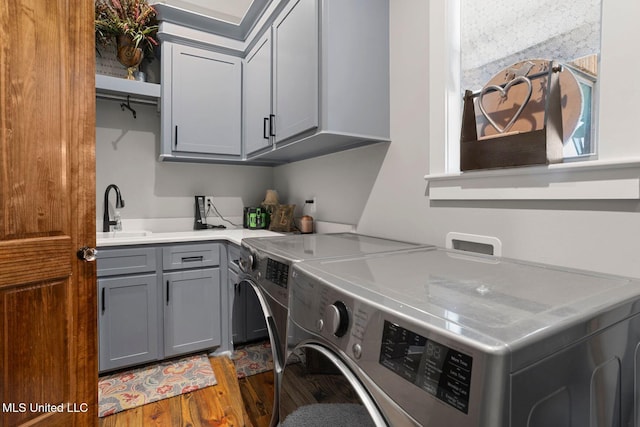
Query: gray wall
[
  {"x": 126, "y": 155},
  {"x": 596, "y": 235}
]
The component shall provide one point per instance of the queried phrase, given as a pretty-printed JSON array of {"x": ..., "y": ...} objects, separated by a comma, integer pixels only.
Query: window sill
[{"x": 588, "y": 180}]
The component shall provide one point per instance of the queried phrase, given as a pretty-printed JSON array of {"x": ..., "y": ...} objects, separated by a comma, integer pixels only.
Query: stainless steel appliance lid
[
  {"x": 509, "y": 303},
  {"x": 298, "y": 247}
]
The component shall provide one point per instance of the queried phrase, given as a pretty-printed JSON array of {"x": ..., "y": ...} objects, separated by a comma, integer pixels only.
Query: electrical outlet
[{"x": 208, "y": 202}]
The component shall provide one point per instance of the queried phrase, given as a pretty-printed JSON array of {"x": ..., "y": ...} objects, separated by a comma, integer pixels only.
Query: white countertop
[{"x": 142, "y": 237}]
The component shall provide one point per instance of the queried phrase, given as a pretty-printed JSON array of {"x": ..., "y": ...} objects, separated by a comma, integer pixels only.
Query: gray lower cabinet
[
  {"x": 248, "y": 321},
  {"x": 256, "y": 326},
  {"x": 128, "y": 322},
  {"x": 191, "y": 311},
  {"x": 160, "y": 301},
  {"x": 128, "y": 298},
  {"x": 248, "y": 318}
]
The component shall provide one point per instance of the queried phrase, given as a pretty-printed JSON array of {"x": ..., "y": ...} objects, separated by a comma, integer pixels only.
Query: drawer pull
[{"x": 193, "y": 259}]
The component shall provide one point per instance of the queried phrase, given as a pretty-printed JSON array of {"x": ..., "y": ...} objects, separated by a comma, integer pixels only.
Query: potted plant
[{"x": 133, "y": 24}]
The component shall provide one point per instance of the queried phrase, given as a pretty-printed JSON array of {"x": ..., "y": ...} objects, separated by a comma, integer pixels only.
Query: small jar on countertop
[{"x": 306, "y": 224}]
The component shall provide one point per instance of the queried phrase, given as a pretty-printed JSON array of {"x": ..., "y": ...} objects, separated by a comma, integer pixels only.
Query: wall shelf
[{"x": 119, "y": 88}]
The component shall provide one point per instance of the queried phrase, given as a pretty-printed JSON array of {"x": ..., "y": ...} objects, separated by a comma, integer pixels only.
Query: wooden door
[{"x": 48, "y": 363}]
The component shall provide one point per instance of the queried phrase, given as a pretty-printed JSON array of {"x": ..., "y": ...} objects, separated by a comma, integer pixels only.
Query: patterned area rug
[
  {"x": 129, "y": 389},
  {"x": 252, "y": 359}
]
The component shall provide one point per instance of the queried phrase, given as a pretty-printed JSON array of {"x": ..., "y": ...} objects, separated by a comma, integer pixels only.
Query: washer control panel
[{"x": 277, "y": 272}]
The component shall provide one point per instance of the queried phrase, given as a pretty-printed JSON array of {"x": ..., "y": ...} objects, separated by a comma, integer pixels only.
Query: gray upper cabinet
[
  {"x": 330, "y": 82},
  {"x": 295, "y": 64},
  {"x": 258, "y": 118},
  {"x": 312, "y": 78},
  {"x": 201, "y": 114}
]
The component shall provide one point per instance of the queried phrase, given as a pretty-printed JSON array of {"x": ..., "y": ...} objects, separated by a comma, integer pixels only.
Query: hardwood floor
[
  {"x": 235, "y": 402},
  {"x": 220, "y": 405},
  {"x": 257, "y": 394}
]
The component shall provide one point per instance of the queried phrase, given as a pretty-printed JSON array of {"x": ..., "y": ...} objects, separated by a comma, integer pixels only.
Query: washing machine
[
  {"x": 266, "y": 265},
  {"x": 435, "y": 337}
]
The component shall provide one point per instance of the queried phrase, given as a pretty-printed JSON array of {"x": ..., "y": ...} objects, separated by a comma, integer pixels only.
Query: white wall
[
  {"x": 596, "y": 235},
  {"x": 340, "y": 182},
  {"x": 126, "y": 155}
]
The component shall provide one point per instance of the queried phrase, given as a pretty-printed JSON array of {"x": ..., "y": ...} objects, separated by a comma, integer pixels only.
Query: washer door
[
  {"x": 319, "y": 389},
  {"x": 275, "y": 316}
]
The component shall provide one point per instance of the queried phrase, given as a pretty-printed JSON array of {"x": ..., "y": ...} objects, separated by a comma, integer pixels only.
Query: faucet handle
[{"x": 118, "y": 222}]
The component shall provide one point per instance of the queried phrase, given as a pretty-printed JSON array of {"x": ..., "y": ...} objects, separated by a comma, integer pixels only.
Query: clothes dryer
[{"x": 436, "y": 337}]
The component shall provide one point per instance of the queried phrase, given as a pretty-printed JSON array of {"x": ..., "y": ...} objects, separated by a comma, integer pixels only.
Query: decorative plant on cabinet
[{"x": 133, "y": 24}]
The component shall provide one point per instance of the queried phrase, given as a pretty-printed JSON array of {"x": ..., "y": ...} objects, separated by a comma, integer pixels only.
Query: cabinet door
[
  {"x": 257, "y": 97},
  {"x": 206, "y": 108},
  {"x": 238, "y": 321},
  {"x": 256, "y": 325},
  {"x": 295, "y": 38},
  {"x": 192, "y": 319},
  {"x": 128, "y": 321}
]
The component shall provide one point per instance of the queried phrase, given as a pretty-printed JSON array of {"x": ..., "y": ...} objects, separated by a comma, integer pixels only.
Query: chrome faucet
[{"x": 106, "y": 222}]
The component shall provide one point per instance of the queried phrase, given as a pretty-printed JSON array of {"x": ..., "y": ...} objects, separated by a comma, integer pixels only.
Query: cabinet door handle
[
  {"x": 272, "y": 125},
  {"x": 264, "y": 128},
  {"x": 176, "y": 137},
  {"x": 167, "y": 292},
  {"x": 193, "y": 258},
  {"x": 104, "y": 304}
]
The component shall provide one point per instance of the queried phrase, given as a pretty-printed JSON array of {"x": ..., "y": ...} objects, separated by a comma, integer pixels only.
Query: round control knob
[
  {"x": 248, "y": 262},
  {"x": 357, "y": 351},
  {"x": 338, "y": 318}
]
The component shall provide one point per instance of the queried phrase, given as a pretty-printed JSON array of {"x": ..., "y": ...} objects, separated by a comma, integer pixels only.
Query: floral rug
[
  {"x": 252, "y": 359},
  {"x": 129, "y": 389}
]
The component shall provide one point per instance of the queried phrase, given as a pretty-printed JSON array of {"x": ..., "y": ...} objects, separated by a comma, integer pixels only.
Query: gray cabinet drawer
[
  {"x": 191, "y": 256},
  {"x": 113, "y": 262}
]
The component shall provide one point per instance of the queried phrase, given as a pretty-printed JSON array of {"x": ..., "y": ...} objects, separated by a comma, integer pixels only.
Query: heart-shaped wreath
[{"x": 504, "y": 94}]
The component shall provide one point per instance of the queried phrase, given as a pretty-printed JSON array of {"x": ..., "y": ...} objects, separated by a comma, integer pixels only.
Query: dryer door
[{"x": 319, "y": 389}]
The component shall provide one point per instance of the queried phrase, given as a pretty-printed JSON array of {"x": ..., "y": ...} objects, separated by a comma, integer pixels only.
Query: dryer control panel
[{"x": 441, "y": 371}]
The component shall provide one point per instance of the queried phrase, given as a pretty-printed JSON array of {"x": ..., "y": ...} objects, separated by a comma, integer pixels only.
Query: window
[
  {"x": 495, "y": 35},
  {"x": 612, "y": 173}
]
